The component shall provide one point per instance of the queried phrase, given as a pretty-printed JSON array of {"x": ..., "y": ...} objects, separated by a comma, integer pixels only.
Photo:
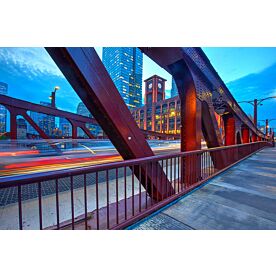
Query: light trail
[
  {"x": 15, "y": 163},
  {"x": 54, "y": 164}
]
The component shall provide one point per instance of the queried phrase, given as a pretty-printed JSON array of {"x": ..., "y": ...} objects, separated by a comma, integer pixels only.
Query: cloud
[
  {"x": 31, "y": 75},
  {"x": 30, "y": 61},
  {"x": 257, "y": 86}
]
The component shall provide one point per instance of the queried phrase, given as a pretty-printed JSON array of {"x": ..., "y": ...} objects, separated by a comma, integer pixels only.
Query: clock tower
[{"x": 154, "y": 89}]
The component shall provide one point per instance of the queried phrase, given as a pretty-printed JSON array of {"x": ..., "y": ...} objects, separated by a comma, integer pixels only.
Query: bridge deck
[{"x": 243, "y": 197}]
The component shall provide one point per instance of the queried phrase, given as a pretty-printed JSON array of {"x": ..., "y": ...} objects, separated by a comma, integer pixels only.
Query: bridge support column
[
  {"x": 230, "y": 129},
  {"x": 81, "y": 125},
  {"x": 254, "y": 137},
  {"x": 87, "y": 132},
  {"x": 34, "y": 125},
  {"x": 245, "y": 134},
  {"x": 13, "y": 124},
  {"x": 74, "y": 131},
  {"x": 190, "y": 110},
  {"x": 238, "y": 138},
  {"x": 210, "y": 132}
]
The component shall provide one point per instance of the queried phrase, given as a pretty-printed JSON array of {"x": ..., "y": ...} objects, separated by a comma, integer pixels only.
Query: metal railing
[{"x": 110, "y": 196}]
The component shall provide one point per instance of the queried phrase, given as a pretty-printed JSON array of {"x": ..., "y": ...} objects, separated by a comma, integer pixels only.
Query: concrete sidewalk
[{"x": 243, "y": 197}]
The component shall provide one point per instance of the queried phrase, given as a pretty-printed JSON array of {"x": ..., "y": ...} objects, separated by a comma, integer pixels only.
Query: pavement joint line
[
  {"x": 203, "y": 200},
  {"x": 131, "y": 227},
  {"x": 243, "y": 211},
  {"x": 179, "y": 221},
  {"x": 241, "y": 189}
]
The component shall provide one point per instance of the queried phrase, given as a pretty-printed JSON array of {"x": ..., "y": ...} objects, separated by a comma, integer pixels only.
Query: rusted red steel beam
[
  {"x": 254, "y": 137},
  {"x": 160, "y": 135},
  {"x": 34, "y": 125},
  {"x": 172, "y": 60},
  {"x": 234, "y": 106},
  {"x": 24, "y": 105},
  {"x": 211, "y": 80},
  {"x": 230, "y": 129},
  {"x": 81, "y": 125},
  {"x": 16, "y": 111},
  {"x": 245, "y": 134},
  {"x": 212, "y": 136},
  {"x": 13, "y": 124},
  {"x": 86, "y": 73}
]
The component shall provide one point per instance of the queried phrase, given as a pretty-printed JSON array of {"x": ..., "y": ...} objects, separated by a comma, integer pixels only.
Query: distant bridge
[
  {"x": 19, "y": 107},
  {"x": 142, "y": 183}
]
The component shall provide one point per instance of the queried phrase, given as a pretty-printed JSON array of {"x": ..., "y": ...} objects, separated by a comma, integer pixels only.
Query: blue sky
[{"x": 248, "y": 72}]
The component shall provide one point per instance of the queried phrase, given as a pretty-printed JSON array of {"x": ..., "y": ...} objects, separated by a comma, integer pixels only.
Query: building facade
[
  {"x": 82, "y": 110},
  {"x": 35, "y": 118},
  {"x": 125, "y": 67},
  {"x": 158, "y": 114},
  {"x": 21, "y": 128},
  {"x": 96, "y": 130},
  {"x": 44, "y": 121},
  {"x": 65, "y": 128},
  {"x": 3, "y": 110}
]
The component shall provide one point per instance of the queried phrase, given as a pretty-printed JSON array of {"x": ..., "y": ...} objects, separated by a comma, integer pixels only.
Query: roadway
[{"x": 29, "y": 157}]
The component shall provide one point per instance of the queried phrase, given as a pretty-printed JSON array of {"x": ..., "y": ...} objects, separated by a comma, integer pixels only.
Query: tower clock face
[
  {"x": 159, "y": 85},
  {"x": 150, "y": 86}
]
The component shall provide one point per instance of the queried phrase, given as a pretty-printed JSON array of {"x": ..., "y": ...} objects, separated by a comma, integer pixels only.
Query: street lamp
[
  {"x": 255, "y": 103},
  {"x": 266, "y": 125},
  {"x": 53, "y": 97}
]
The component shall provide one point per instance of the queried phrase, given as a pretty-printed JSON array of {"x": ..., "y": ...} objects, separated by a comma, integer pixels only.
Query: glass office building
[
  {"x": 125, "y": 67},
  {"x": 44, "y": 121},
  {"x": 3, "y": 110},
  {"x": 96, "y": 130}
]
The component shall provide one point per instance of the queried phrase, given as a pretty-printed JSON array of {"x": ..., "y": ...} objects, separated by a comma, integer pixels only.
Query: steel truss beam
[
  {"x": 195, "y": 115},
  {"x": 87, "y": 75},
  {"x": 211, "y": 79},
  {"x": 20, "y": 107},
  {"x": 230, "y": 129},
  {"x": 160, "y": 134},
  {"x": 24, "y": 105},
  {"x": 14, "y": 112},
  {"x": 212, "y": 135},
  {"x": 245, "y": 134},
  {"x": 74, "y": 119},
  {"x": 171, "y": 59}
]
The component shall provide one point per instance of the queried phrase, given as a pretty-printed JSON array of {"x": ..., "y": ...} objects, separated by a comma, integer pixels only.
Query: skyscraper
[
  {"x": 65, "y": 127},
  {"x": 44, "y": 121},
  {"x": 125, "y": 67},
  {"x": 35, "y": 117},
  {"x": 3, "y": 110},
  {"x": 96, "y": 130},
  {"x": 21, "y": 128},
  {"x": 174, "y": 90},
  {"x": 82, "y": 110}
]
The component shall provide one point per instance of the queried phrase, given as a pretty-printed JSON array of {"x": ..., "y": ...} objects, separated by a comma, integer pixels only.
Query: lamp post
[
  {"x": 266, "y": 125},
  {"x": 255, "y": 104},
  {"x": 53, "y": 97}
]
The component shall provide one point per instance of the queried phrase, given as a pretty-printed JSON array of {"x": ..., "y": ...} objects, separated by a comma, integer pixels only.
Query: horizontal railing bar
[
  {"x": 119, "y": 211},
  {"x": 6, "y": 182},
  {"x": 172, "y": 198}
]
